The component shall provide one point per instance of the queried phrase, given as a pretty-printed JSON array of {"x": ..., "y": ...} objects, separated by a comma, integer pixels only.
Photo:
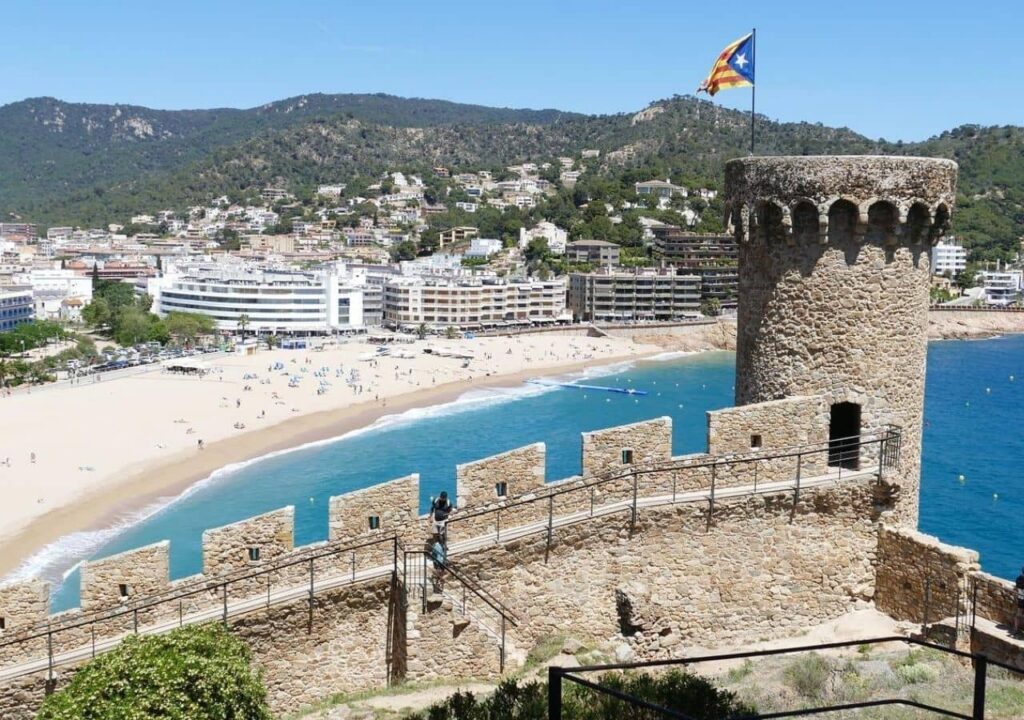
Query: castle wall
[
  {"x": 919, "y": 576},
  {"x": 521, "y": 470},
  {"x": 393, "y": 503},
  {"x": 751, "y": 575},
  {"x": 445, "y": 644},
  {"x": 126, "y": 576},
  {"x": 768, "y": 427},
  {"x": 996, "y": 598},
  {"x": 650, "y": 441}
]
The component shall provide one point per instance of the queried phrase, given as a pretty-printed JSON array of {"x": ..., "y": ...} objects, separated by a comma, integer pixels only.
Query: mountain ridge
[{"x": 74, "y": 163}]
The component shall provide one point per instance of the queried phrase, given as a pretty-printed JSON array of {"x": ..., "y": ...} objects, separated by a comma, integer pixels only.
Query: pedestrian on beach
[
  {"x": 199, "y": 443},
  {"x": 1018, "y": 616},
  {"x": 32, "y": 458}
]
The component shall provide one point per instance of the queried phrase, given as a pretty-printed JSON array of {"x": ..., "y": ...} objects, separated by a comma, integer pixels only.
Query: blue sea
[{"x": 971, "y": 492}]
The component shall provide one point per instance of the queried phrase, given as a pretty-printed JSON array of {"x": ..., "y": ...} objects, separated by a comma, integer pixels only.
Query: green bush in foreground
[
  {"x": 195, "y": 673},
  {"x": 676, "y": 690}
]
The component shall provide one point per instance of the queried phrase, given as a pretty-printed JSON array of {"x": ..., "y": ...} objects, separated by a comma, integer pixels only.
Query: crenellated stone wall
[
  {"x": 126, "y": 576},
  {"x": 393, "y": 505},
  {"x": 227, "y": 548},
  {"x": 516, "y": 472},
  {"x": 649, "y": 442}
]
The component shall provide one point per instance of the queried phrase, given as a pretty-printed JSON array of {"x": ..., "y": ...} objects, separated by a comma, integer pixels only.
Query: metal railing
[
  {"x": 836, "y": 456},
  {"x": 419, "y": 573},
  {"x": 217, "y": 589},
  {"x": 558, "y": 675}
]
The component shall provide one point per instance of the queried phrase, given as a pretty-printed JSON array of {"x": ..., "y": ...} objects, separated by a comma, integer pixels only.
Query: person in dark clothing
[
  {"x": 1018, "y": 616},
  {"x": 440, "y": 509}
]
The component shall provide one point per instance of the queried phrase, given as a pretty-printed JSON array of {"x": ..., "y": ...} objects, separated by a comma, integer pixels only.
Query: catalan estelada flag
[{"x": 733, "y": 68}]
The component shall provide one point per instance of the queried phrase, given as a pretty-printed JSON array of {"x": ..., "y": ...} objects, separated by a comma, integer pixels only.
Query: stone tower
[{"x": 834, "y": 275}]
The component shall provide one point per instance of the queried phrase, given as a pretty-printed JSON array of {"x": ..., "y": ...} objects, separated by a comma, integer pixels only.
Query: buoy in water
[
  {"x": 988, "y": 390},
  {"x": 962, "y": 479}
]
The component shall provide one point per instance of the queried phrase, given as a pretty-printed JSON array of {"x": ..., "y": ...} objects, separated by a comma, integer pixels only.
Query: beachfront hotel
[
  {"x": 275, "y": 301},
  {"x": 16, "y": 306},
  {"x": 472, "y": 303},
  {"x": 638, "y": 294}
]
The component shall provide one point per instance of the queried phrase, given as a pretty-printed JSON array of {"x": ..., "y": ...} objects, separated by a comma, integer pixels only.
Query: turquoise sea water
[{"x": 968, "y": 431}]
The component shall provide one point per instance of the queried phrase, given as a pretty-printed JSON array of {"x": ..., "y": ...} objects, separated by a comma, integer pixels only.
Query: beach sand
[{"x": 103, "y": 449}]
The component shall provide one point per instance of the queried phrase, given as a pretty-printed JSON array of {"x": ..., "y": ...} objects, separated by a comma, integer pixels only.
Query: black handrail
[
  {"x": 476, "y": 589},
  {"x": 981, "y": 663}
]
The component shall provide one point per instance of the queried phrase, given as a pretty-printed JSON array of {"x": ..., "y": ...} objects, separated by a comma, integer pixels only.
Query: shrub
[
  {"x": 914, "y": 674},
  {"x": 194, "y": 673},
  {"x": 676, "y": 689},
  {"x": 808, "y": 675}
]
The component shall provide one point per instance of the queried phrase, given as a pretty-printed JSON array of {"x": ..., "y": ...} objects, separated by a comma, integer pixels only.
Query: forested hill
[{"x": 90, "y": 164}]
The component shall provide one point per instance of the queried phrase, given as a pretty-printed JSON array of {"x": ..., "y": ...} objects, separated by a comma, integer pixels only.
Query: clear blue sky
[{"x": 903, "y": 69}]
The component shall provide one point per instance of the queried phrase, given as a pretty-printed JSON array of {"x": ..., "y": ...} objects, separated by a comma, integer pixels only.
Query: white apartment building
[
  {"x": 275, "y": 301},
  {"x": 949, "y": 256},
  {"x": 1001, "y": 287},
  {"x": 556, "y": 236},
  {"x": 53, "y": 288},
  {"x": 472, "y": 303},
  {"x": 483, "y": 247}
]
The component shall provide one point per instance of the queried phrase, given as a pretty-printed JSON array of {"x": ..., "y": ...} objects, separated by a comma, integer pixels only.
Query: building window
[
  {"x": 375, "y": 522},
  {"x": 122, "y": 590},
  {"x": 501, "y": 489},
  {"x": 254, "y": 554},
  {"x": 755, "y": 442},
  {"x": 627, "y": 457}
]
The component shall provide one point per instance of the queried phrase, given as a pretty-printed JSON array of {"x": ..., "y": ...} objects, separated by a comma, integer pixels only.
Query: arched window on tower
[
  {"x": 842, "y": 221},
  {"x": 806, "y": 224},
  {"x": 881, "y": 223}
]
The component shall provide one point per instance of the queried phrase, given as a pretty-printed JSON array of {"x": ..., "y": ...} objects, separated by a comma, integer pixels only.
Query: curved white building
[{"x": 275, "y": 302}]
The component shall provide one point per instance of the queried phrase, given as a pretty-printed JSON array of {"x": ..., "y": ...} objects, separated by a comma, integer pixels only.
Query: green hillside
[{"x": 91, "y": 164}]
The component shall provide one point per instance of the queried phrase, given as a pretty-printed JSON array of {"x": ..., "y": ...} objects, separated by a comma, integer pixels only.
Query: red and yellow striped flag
[{"x": 733, "y": 68}]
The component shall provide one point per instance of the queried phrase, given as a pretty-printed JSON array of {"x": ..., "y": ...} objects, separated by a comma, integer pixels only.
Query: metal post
[
  {"x": 135, "y": 621},
  {"x": 311, "y": 595},
  {"x": 423, "y": 594},
  {"x": 799, "y": 472},
  {"x": 554, "y": 693},
  {"x": 268, "y": 589},
  {"x": 714, "y": 481},
  {"x": 463, "y": 598},
  {"x": 591, "y": 502},
  {"x": 980, "y": 674},
  {"x": 353, "y": 566},
  {"x": 674, "y": 479},
  {"x": 225, "y": 604},
  {"x": 49, "y": 655},
  {"x": 92, "y": 629},
  {"x": 755, "y": 475},
  {"x": 501, "y": 664},
  {"x": 927, "y": 599},
  {"x": 632, "y": 516},
  {"x": 497, "y": 533},
  {"x": 551, "y": 520}
]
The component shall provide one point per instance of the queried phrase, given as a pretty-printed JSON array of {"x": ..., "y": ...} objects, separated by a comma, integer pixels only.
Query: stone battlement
[{"x": 837, "y": 200}]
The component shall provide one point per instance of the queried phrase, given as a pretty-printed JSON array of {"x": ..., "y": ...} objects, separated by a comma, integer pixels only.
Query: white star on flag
[{"x": 741, "y": 60}]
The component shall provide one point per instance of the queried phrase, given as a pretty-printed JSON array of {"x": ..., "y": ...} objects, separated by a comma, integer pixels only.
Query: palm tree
[
  {"x": 243, "y": 323},
  {"x": 421, "y": 331}
]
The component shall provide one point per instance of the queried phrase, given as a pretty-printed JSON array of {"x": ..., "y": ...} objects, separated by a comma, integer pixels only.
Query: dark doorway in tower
[{"x": 844, "y": 436}]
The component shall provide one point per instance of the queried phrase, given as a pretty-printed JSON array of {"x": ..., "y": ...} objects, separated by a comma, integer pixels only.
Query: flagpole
[{"x": 753, "y": 85}]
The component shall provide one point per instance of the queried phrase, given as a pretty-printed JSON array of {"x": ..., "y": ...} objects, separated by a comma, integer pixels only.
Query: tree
[
  {"x": 451, "y": 333},
  {"x": 243, "y": 323},
  {"x": 711, "y": 307},
  {"x": 186, "y": 327},
  {"x": 404, "y": 251},
  {"x": 199, "y": 672},
  {"x": 133, "y": 326},
  {"x": 421, "y": 331}
]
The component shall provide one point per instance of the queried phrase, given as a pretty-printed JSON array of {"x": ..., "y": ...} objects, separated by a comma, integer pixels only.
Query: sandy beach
[{"x": 76, "y": 458}]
